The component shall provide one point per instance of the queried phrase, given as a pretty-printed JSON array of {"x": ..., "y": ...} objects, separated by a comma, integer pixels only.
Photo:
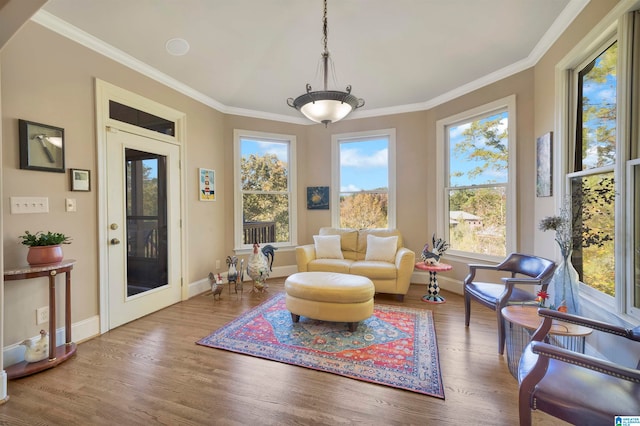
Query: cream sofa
[{"x": 391, "y": 276}]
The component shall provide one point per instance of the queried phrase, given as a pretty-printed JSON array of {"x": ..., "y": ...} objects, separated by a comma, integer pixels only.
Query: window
[
  {"x": 265, "y": 202},
  {"x": 476, "y": 173},
  {"x": 364, "y": 170},
  {"x": 591, "y": 176},
  {"x": 598, "y": 151}
]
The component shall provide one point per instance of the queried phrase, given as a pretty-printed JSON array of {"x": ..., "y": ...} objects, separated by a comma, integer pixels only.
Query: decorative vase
[
  {"x": 565, "y": 286},
  {"x": 42, "y": 255}
]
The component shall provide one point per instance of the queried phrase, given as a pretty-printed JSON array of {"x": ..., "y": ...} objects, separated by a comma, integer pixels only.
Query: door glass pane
[{"x": 146, "y": 221}]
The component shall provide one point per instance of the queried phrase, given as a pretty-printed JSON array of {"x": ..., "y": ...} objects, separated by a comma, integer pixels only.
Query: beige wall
[
  {"x": 544, "y": 102},
  {"x": 49, "y": 79}
]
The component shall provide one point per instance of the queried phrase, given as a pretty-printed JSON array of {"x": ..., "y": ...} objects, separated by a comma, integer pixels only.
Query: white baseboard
[{"x": 80, "y": 331}]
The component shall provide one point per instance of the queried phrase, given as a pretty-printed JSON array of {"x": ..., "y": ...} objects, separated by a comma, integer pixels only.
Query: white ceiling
[{"x": 248, "y": 56}]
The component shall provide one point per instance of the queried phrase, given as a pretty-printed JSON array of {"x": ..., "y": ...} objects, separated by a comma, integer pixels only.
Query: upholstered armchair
[
  {"x": 524, "y": 270},
  {"x": 577, "y": 388}
]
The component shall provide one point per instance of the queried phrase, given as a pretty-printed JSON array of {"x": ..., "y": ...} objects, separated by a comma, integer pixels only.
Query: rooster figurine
[
  {"x": 439, "y": 247},
  {"x": 36, "y": 351},
  {"x": 216, "y": 285},
  {"x": 235, "y": 275},
  {"x": 258, "y": 266}
]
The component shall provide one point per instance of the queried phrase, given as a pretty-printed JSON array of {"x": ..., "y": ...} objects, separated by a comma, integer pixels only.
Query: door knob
[
  {"x": 114, "y": 226},
  {"x": 115, "y": 241}
]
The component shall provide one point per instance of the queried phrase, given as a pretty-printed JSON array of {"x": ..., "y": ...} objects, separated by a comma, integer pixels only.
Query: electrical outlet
[
  {"x": 218, "y": 264},
  {"x": 42, "y": 315}
]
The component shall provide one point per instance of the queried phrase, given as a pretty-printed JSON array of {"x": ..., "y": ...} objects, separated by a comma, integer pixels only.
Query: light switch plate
[
  {"x": 22, "y": 205},
  {"x": 70, "y": 204}
]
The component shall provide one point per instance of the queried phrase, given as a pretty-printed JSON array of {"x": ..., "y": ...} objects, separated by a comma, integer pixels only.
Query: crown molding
[{"x": 53, "y": 23}]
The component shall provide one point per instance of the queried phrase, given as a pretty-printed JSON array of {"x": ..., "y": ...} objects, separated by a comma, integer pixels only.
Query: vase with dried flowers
[{"x": 565, "y": 278}]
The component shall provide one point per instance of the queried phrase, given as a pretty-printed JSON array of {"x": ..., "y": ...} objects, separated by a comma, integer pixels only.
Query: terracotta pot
[{"x": 41, "y": 255}]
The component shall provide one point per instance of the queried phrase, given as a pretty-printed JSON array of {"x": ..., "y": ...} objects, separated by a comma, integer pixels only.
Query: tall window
[
  {"x": 591, "y": 179},
  {"x": 476, "y": 210},
  {"x": 599, "y": 154},
  {"x": 364, "y": 170},
  {"x": 265, "y": 204}
]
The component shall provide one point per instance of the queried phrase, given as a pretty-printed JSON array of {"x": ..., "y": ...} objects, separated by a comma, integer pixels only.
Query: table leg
[
  {"x": 52, "y": 316},
  {"x": 434, "y": 290},
  {"x": 67, "y": 308}
]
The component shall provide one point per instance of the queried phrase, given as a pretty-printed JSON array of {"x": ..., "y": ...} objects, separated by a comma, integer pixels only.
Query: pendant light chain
[{"x": 325, "y": 54}]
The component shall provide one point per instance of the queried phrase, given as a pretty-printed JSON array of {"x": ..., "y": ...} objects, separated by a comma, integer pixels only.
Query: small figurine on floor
[
  {"x": 439, "y": 247},
  {"x": 216, "y": 285},
  {"x": 36, "y": 351}
]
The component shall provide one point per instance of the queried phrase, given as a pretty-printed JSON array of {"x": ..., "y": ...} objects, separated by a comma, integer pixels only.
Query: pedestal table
[{"x": 434, "y": 288}]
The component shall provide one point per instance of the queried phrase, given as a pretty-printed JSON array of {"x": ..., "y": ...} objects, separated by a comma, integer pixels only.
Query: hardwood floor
[{"x": 150, "y": 371}]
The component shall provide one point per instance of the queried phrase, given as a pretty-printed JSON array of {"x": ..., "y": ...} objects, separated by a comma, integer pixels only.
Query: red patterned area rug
[{"x": 395, "y": 347}]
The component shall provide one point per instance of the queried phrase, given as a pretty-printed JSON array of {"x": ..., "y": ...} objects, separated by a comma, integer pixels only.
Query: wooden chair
[
  {"x": 524, "y": 270},
  {"x": 577, "y": 388}
]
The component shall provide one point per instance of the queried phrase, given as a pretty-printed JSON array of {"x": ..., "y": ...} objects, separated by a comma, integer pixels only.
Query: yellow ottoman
[{"x": 329, "y": 296}]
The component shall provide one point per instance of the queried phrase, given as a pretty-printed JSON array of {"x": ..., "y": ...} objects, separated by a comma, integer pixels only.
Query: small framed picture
[
  {"x": 544, "y": 165},
  {"x": 41, "y": 147},
  {"x": 317, "y": 198},
  {"x": 80, "y": 180},
  {"x": 207, "y": 184}
]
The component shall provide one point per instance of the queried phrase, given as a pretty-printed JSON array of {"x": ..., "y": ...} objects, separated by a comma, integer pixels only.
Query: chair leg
[
  {"x": 501, "y": 331},
  {"x": 467, "y": 309},
  {"x": 524, "y": 411}
]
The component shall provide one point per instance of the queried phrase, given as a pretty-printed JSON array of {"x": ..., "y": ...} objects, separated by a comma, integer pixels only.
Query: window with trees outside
[
  {"x": 265, "y": 188},
  {"x": 363, "y": 168},
  {"x": 476, "y": 211},
  {"x": 599, "y": 156},
  {"x": 591, "y": 179}
]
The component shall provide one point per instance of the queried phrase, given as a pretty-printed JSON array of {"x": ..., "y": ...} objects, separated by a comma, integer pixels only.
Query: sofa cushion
[
  {"x": 374, "y": 269},
  {"x": 327, "y": 246},
  {"x": 381, "y": 248},
  {"x": 363, "y": 233},
  {"x": 330, "y": 265},
  {"x": 348, "y": 240}
]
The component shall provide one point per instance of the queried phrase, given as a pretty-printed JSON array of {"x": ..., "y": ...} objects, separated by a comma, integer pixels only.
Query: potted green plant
[{"x": 44, "y": 247}]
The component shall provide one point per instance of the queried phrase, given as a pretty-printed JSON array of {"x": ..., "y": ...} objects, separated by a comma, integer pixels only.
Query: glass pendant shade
[{"x": 326, "y": 106}]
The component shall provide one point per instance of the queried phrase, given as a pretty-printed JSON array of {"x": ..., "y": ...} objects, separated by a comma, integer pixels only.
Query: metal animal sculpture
[
  {"x": 216, "y": 285},
  {"x": 259, "y": 267},
  {"x": 433, "y": 256}
]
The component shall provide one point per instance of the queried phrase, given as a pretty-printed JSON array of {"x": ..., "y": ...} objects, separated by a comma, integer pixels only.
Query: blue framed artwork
[{"x": 318, "y": 198}]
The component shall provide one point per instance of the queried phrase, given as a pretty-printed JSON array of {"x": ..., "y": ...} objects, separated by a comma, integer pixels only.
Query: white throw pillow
[
  {"x": 381, "y": 248},
  {"x": 327, "y": 246}
]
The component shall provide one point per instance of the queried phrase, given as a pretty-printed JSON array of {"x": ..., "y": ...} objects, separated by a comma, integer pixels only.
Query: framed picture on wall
[
  {"x": 80, "y": 180},
  {"x": 207, "y": 179},
  {"x": 544, "y": 175},
  {"x": 41, "y": 147},
  {"x": 318, "y": 198}
]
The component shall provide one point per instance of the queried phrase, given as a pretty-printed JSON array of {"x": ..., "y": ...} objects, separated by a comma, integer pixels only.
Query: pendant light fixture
[{"x": 325, "y": 106}]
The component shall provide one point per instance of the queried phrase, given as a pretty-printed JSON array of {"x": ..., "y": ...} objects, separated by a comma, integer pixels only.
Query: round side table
[
  {"x": 434, "y": 288},
  {"x": 521, "y": 321}
]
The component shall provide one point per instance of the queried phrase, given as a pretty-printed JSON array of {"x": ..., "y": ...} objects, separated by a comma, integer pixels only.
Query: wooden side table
[
  {"x": 60, "y": 353},
  {"x": 523, "y": 320},
  {"x": 434, "y": 288}
]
